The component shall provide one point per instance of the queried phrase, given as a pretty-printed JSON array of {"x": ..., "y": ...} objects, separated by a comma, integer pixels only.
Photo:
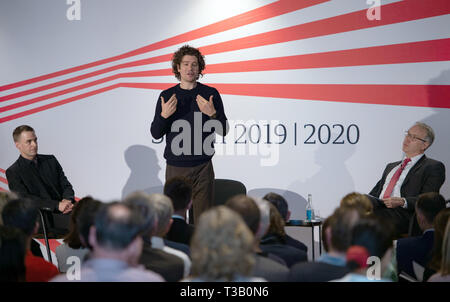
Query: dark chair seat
[{"x": 224, "y": 189}]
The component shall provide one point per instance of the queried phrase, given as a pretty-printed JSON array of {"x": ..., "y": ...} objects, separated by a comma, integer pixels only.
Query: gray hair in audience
[
  {"x": 163, "y": 209},
  {"x": 142, "y": 203},
  {"x": 264, "y": 222}
]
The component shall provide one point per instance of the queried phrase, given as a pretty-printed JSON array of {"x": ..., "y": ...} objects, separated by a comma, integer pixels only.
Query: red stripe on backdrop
[
  {"x": 2, "y": 179},
  {"x": 399, "y": 95},
  {"x": 266, "y": 12},
  {"x": 424, "y": 51},
  {"x": 52, "y": 242},
  {"x": 392, "y": 13},
  {"x": 2, "y": 171},
  {"x": 85, "y": 76},
  {"x": 397, "y": 12},
  {"x": 56, "y": 104},
  {"x": 3, "y": 190}
]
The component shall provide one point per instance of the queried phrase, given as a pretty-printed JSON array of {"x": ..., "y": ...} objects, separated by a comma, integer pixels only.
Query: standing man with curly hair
[{"x": 189, "y": 114}]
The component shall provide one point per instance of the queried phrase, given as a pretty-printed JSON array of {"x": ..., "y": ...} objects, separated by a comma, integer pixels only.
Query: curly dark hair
[{"x": 190, "y": 51}]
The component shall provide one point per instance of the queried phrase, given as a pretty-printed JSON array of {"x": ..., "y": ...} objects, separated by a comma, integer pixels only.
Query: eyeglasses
[{"x": 413, "y": 137}]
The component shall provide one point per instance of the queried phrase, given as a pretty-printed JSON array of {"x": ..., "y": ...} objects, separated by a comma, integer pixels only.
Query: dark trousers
[
  {"x": 202, "y": 177},
  {"x": 398, "y": 217}
]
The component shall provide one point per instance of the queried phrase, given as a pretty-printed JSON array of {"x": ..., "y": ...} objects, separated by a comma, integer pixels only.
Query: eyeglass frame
[{"x": 413, "y": 137}]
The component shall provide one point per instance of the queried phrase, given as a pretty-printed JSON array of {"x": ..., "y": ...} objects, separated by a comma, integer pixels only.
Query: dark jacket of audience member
[{"x": 418, "y": 249}]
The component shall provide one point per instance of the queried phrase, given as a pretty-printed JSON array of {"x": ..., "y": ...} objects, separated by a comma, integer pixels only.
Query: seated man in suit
[
  {"x": 395, "y": 194},
  {"x": 40, "y": 178},
  {"x": 418, "y": 249}
]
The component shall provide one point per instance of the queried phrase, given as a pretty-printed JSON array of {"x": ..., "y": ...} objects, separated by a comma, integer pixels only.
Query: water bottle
[{"x": 309, "y": 209}]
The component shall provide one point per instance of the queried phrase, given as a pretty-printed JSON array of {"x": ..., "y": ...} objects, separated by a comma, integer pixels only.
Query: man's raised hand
[{"x": 169, "y": 107}]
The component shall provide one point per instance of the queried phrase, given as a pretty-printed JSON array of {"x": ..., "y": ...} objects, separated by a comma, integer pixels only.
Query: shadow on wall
[
  {"x": 440, "y": 122},
  {"x": 296, "y": 203},
  {"x": 331, "y": 182},
  {"x": 144, "y": 167}
]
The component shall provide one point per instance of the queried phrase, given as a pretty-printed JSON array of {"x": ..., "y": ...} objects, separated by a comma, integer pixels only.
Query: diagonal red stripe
[
  {"x": 52, "y": 242},
  {"x": 2, "y": 171},
  {"x": 265, "y": 12},
  {"x": 392, "y": 13},
  {"x": 2, "y": 179},
  {"x": 397, "y": 12},
  {"x": 399, "y": 95},
  {"x": 56, "y": 104},
  {"x": 424, "y": 51},
  {"x": 3, "y": 190}
]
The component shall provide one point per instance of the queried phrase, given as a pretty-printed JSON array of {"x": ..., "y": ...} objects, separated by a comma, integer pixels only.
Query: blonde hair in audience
[
  {"x": 222, "y": 246},
  {"x": 445, "y": 267},
  {"x": 276, "y": 222},
  {"x": 357, "y": 201}
]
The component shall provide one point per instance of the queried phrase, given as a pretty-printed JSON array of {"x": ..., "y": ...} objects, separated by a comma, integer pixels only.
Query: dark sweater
[{"x": 190, "y": 152}]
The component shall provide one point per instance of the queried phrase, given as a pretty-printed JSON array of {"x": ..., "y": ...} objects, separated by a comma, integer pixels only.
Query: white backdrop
[{"x": 102, "y": 139}]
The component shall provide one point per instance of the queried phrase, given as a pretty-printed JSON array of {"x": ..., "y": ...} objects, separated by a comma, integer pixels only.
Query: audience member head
[
  {"x": 428, "y": 205},
  {"x": 179, "y": 190},
  {"x": 357, "y": 201},
  {"x": 164, "y": 210},
  {"x": 5, "y": 197},
  {"x": 247, "y": 208},
  {"x": 264, "y": 221},
  {"x": 340, "y": 230},
  {"x": 12, "y": 254},
  {"x": 222, "y": 246},
  {"x": 280, "y": 203},
  {"x": 445, "y": 264},
  {"x": 22, "y": 214},
  {"x": 370, "y": 237},
  {"x": 117, "y": 233},
  {"x": 326, "y": 233},
  {"x": 26, "y": 141},
  {"x": 276, "y": 226},
  {"x": 72, "y": 239},
  {"x": 85, "y": 219},
  {"x": 440, "y": 223},
  {"x": 142, "y": 203}
]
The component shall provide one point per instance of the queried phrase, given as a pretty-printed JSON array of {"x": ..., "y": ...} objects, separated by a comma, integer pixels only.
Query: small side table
[{"x": 310, "y": 224}]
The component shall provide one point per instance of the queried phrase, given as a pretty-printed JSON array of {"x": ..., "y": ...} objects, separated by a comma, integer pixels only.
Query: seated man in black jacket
[{"x": 40, "y": 178}]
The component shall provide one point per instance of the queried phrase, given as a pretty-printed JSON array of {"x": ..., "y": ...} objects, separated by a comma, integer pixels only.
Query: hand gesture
[
  {"x": 65, "y": 206},
  {"x": 169, "y": 107},
  {"x": 207, "y": 107},
  {"x": 393, "y": 202}
]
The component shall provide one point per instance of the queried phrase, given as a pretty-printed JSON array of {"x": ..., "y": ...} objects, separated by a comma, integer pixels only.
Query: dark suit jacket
[
  {"x": 178, "y": 246},
  {"x": 427, "y": 175},
  {"x": 416, "y": 249},
  {"x": 271, "y": 244},
  {"x": 316, "y": 272},
  {"x": 167, "y": 265},
  {"x": 180, "y": 231},
  {"x": 46, "y": 184}
]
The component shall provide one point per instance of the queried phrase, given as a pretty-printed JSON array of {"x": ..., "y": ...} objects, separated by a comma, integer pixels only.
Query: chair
[
  {"x": 224, "y": 189},
  {"x": 48, "y": 230}
]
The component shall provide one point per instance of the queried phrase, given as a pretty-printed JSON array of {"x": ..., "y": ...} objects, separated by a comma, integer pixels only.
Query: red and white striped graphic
[{"x": 304, "y": 50}]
